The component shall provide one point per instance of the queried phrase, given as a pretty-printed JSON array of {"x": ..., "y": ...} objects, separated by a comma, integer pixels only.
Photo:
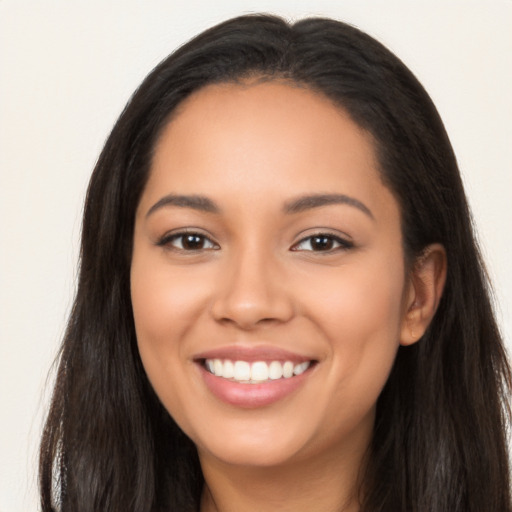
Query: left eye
[
  {"x": 189, "y": 242},
  {"x": 321, "y": 243}
]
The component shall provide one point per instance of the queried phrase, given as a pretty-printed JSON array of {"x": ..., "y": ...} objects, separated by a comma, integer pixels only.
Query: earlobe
[{"x": 426, "y": 284}]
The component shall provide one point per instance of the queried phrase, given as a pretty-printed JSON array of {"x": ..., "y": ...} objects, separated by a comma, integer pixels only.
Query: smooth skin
[{"x": 250, "y": 263}]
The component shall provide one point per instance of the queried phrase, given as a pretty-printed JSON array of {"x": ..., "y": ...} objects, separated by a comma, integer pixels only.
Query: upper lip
[{"x": 251, "y": 354}]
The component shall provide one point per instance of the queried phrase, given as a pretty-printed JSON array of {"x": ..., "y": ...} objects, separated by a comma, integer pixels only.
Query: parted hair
[{"x": 439, "y": 442}]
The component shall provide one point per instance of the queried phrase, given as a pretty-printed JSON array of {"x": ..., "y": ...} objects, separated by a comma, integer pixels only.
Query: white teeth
[
  {"x": 242, "y": 370},
  {"x": 228, "y": 371},
  {"x": 300, "y": 368},
  {"x": 275, "y": 370},
  {"x": 217, "y": 367},
  {"x": 259, "y": 371},
  {"x": 287, "y": 369}
]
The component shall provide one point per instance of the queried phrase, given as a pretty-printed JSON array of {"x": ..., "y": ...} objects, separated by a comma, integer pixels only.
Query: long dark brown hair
[{"x": 440, "y": 435}]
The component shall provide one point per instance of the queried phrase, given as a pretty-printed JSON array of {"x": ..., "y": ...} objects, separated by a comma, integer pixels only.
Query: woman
[{"x": 281, "y": 305}]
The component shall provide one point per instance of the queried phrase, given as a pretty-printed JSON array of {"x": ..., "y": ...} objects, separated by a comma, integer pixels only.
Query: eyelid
[
  {"x": 167, "y": 238},
  {"x": 343, "y": 242}
]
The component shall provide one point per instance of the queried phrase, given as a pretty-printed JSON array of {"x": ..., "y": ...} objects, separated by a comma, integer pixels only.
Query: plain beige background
[{"x": 67, "y": 69}]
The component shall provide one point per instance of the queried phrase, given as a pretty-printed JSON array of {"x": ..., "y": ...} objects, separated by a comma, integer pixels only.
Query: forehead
[
  {"x": 272, "y": 138},
  {"x": 269, "y": 105}
]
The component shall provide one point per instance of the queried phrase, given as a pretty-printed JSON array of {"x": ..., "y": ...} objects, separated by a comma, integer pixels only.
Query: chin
[
  {"x": 252, "y": 442},
  {"x": 252, "y": 454}
]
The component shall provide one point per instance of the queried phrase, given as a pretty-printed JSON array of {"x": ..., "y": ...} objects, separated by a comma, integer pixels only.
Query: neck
[{"x": 327, "y": 484}]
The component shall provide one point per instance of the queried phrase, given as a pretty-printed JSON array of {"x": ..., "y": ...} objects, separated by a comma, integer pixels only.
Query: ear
[{"x": 425, "y": 288}]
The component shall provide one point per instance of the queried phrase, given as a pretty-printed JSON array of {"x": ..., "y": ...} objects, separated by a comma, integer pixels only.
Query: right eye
[{"x": 188, "y": 241}]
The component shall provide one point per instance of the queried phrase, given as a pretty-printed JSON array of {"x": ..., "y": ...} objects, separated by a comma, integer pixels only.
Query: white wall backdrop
[{"x": 66, "y": 70}]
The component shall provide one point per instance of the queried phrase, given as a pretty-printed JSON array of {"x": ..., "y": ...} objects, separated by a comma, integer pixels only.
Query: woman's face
[{"x": 268, "y": 251}]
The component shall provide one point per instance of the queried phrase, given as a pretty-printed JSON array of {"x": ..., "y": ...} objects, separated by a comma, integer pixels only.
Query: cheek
[
  {"x": 359, "y": 299},
  {"x": 165, "y": 303},
  {"x": 371, "y": 303},
  {"x": 360, "y": 314},
  {"x": 166, "y": 307}
]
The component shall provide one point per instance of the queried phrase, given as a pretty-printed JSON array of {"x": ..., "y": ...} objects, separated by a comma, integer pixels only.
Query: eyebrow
[
  {"x": 308, "y": 202},
  {"x": 201, "y": 203},
  {"x": 303, "y": 203}
]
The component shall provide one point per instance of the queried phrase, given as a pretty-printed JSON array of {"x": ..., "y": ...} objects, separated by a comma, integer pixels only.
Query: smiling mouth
[{"x": 256, "y": 372}]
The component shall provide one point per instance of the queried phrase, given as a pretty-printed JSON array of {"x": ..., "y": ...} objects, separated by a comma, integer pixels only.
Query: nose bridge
[{"x": 250, "y": 291}]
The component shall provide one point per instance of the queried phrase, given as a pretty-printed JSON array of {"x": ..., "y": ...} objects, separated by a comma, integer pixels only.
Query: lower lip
[{"x": 251, "y": 395}]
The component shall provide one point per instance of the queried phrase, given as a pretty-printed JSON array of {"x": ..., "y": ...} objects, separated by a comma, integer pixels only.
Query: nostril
[
  {"x": 251, "y": 293},
  {"x": 253, "y": 305},
  {"x": 247, "y": 322},
  {"x": 248, "y": 315}
]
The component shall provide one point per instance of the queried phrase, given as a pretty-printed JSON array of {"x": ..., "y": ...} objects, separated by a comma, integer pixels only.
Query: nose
[{"x": 252, "y": 292}]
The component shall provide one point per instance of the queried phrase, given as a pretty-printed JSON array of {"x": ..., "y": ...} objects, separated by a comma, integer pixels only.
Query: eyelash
[
  {"x": 334, "y": 243},
  {"x": 167, "y": 241},
  {"x": 341, "y": 243}
]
